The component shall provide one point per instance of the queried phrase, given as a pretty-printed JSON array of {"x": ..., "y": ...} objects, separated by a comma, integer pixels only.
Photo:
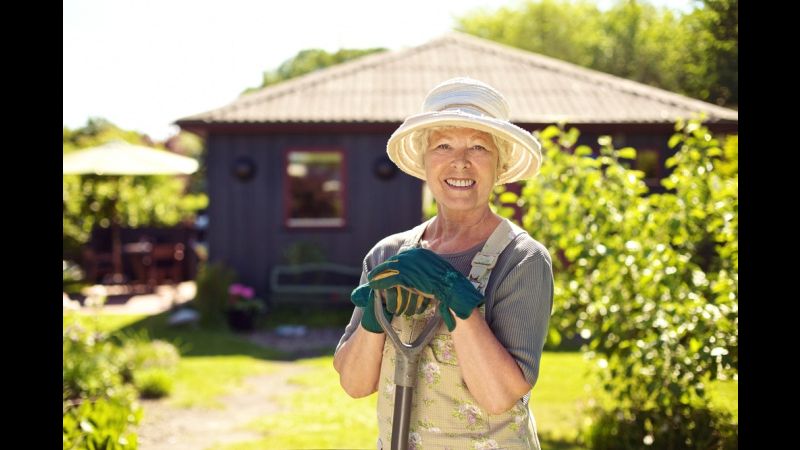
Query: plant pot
[{"x": 241, "y": 321}]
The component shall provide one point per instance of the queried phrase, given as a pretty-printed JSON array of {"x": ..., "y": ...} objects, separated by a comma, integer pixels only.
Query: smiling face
[{"x": 460, "y": 168}]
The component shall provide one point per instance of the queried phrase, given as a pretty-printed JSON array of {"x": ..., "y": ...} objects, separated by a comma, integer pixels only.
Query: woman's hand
[
  {"x": 406, "y": 301},
  {"x": 363, "y": 297},
  {"x": 426, "y": 272}
]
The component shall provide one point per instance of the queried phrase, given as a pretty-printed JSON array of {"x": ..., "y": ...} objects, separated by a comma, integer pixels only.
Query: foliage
[
  {"x": 694, "y": 53},
  {"x": 154, "y": 382},
  {"x": 213, "y": 280},
  {"x": 650, "y": 280},
  {"x": 193, "y": 146},
  {"x": 212, "y": 362},
  {"x": 620, "y": 428},
  {"x": 139, "y": 353},
  {"x": 101, "y": 423},
  {"x": 102, "y": 374},
  {"x": 72, "y": 277},
  {"x": 309, "y": 60},
  {"x": 241, "y": 298},
  {"x": 720, "y": 20},
  {"x": 98, "y": 131},
  {"x": 98, "y": 407},
  {"x": 95, "y": 200}
]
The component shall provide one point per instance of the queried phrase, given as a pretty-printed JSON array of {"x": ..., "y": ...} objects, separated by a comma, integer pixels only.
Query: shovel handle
[
  {"x": 408, "y": 353},
  {"x": 405, "y": 371}
]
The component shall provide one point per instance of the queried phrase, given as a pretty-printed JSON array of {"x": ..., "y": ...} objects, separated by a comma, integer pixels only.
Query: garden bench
[{"x": 312, "y": 283}]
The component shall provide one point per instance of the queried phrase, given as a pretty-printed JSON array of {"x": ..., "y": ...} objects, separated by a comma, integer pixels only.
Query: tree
[
  {"x": 695, "y": 53},
  {"x": 309, "y": 60},
  {"x": 91, "y": 200},
  {"x": 571, "y": 31},
  {"x": 720, "y": 20}
]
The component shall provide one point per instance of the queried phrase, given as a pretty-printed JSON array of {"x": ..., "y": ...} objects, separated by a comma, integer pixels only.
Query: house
[{"x": 302, "y": 164}]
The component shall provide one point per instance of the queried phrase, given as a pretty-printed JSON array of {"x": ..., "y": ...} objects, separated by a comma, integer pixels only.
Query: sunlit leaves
[
  {"x": 651, "y": 280},
  {"x": 133, "y": 201}
]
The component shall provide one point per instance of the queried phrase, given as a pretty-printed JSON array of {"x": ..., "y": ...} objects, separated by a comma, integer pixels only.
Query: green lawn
[
  {"x": 333, "y": 420},
  {"x": 212, "y": 362},
  {"x": 320, "y": 415}
]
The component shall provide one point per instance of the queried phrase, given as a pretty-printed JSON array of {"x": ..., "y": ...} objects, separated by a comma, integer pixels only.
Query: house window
[
  {"x": 649, "y": 162},
  {"x": 314, "y": 188}
]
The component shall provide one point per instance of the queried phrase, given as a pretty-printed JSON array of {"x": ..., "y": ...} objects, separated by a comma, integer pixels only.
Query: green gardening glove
[
  {"x": 424, "y": 271},
  {"x": 362, "y": 297}
]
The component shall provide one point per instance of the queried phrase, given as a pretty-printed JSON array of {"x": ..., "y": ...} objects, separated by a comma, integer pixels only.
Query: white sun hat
[{"x": 468, "y": 103}]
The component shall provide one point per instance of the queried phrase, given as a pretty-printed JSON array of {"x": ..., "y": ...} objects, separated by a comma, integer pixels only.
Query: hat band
[{"x": 468, "y": 106}]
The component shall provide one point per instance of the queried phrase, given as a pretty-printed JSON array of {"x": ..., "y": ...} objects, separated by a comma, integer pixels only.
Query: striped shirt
[{"x": 519, "y": 295}]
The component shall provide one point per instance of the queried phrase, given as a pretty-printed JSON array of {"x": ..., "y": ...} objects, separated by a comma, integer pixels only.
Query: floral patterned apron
[{"x": 444, "y": 414}]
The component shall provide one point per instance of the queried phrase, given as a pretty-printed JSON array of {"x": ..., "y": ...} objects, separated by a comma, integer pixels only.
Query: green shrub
[
  {"x": 213, "y": 280},
  {"x": 90, "y": 363},
  {"x": 101, "y": 423},
  {"x": 153, "y": 382},
  {"x": 72, "y": 277},
  {"x": 623, "y": 428},
  {"x": 98, "y": 406},
  {"x": 139, "y": 353},
  {"x": 650, "y": 280}
]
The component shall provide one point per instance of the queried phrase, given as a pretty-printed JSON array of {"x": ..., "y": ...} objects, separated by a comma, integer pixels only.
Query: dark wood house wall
[{"x": 247, "y": 229}]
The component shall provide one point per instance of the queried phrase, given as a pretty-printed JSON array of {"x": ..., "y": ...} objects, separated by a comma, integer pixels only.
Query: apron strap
[{"x": 485, "y": 260}]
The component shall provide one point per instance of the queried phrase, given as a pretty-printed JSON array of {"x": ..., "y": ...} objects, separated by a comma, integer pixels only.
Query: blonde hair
[{"x": 420, "y": 139}]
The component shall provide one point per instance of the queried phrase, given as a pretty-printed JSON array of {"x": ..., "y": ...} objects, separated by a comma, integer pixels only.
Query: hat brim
[{"x": 524, "y": 156}]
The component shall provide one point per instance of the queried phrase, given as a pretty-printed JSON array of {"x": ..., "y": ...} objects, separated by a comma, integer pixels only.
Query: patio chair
[{"x": 166, "y": 263}]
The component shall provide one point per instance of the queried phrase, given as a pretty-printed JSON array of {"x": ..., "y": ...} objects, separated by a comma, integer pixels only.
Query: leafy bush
[
  {"x": 72, "y": 277},
  {"x": 213, "y": 281},
  {"x": 139, "y": 353},
  {"x": 651, "y": 280},
  {"x": 153, "y": 382},
  {"x": 619, "y": 428},
  {"x": 91, "y": 363},
  {"x": 99, "y": 375},
  {"x": 101, "y": 423},
  {"x": 98, "y": 407}
]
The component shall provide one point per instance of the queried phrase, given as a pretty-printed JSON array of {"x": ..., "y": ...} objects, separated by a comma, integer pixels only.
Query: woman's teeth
[{"x": 459, "y": 182}]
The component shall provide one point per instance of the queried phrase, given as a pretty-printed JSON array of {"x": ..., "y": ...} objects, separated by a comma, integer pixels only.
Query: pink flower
[
  {"x": 235, "y": 289},
  {"x": 241, "y": 290}
]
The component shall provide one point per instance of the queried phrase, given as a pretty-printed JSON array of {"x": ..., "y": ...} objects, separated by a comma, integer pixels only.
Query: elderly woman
[{"x": 492, "y": 283}]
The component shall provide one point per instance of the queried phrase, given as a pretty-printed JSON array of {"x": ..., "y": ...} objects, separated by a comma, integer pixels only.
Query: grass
[
  {"x": 725, "y": 395},
  {"x": 319, "y": 414},
  {"x": 558, "y": 398},
  {"x": 213, "y": 362},
  {"x": 200, "y": 381},
  {"x": 316, "y": 415}
]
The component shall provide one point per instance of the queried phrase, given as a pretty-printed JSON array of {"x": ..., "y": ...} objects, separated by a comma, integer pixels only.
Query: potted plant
[{"x": 243, "y": 307}]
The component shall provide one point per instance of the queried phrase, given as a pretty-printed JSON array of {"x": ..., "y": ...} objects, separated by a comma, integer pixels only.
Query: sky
[{"x": 143, "y": 64}]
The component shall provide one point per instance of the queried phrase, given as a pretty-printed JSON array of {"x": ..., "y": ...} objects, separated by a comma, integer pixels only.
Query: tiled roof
[{"x": 389, "y": 86}]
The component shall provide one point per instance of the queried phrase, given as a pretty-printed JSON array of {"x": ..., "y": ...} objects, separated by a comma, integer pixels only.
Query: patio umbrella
[{"x": 121, "y": 158}]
